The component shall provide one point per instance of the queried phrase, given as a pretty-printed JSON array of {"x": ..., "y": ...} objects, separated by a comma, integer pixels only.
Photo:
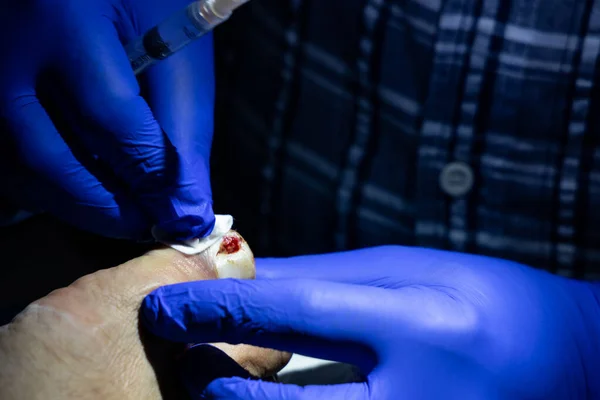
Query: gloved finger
[
  {"x": 40, "y": 172},
  {"x": 237, "y": 388},
  {"x": 132, "y": 142},
  {"x": 118, "y": 220},
  {"x": 370, "y": 266},
  {"x": 326, "y": 320},
  {"x": 180, "y": 91},
  {"x": 384, "y": 266}
]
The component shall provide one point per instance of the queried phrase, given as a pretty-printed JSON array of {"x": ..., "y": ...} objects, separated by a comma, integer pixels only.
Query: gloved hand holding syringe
[
  {"x": 81, "y": 142},
  {"x": 166, "y": 38},
  {"x": 178, "y": 30}
]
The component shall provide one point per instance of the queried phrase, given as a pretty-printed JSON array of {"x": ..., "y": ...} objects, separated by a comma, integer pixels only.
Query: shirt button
[{"x": 456, "y": 179}]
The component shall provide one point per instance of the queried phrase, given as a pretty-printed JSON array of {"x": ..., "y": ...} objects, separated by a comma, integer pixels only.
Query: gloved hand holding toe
[{"x": 420, "y": 324}]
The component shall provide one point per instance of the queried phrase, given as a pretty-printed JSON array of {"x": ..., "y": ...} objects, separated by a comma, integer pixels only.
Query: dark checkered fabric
[{"x": 335, "y": 119}]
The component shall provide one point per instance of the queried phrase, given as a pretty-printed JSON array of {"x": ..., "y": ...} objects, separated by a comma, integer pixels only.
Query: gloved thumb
[{"x": 242, "y": 389}]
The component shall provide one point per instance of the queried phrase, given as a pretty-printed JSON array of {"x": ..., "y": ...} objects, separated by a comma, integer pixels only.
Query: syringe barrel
[{"x": 172, "y": 34}]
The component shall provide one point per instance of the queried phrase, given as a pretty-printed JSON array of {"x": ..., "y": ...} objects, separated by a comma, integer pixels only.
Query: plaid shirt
[{"x": 337, "y": 118}]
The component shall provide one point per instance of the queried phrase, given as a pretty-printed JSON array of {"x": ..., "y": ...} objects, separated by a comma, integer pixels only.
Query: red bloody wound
[{"x": 230, "y": 244}]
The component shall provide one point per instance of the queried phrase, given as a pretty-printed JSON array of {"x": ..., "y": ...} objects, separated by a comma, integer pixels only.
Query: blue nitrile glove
[
  {"x": 422, "y": 324},
  {"x": 78, "y": 140}
]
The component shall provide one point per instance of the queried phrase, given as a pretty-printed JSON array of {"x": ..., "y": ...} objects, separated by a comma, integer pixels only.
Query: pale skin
[{"x": 83, "y": 341}]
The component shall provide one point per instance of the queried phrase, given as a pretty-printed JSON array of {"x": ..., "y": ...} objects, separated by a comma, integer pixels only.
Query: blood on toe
[{"x": 230, "y": 245}]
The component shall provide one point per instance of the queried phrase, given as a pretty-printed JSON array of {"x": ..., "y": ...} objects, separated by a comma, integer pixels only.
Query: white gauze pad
[{"x": 223, "y": 224}]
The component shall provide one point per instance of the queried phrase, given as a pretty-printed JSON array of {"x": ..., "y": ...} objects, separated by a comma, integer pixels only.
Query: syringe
[{"x": 177, "y": 31}]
